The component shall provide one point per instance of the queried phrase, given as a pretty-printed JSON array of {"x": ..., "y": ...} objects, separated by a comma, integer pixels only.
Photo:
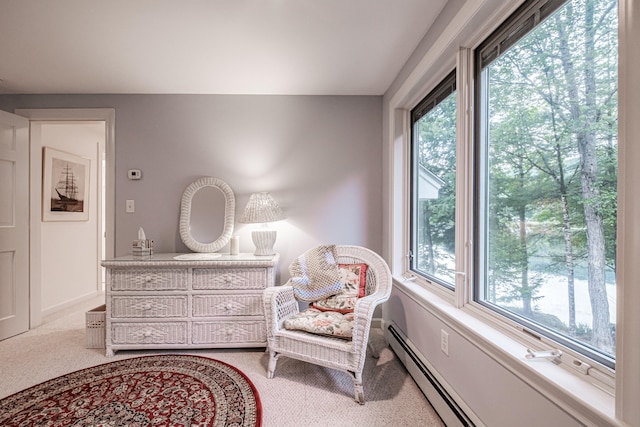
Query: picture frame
[{"x": 65, "y": 186}]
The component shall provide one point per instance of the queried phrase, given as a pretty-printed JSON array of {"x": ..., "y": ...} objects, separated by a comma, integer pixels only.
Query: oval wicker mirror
[{"x": 201, "y": 189}]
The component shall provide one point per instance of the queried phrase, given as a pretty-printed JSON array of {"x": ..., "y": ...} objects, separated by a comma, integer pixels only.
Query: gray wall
[{"x": 319, "y": 156}]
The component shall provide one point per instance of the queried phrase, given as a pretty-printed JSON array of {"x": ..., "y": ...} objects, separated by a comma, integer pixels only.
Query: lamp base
[{"x": 264, "y": 241}]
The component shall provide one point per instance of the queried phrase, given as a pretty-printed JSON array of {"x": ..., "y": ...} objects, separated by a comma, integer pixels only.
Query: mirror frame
[{"x": 185, "y": 214}]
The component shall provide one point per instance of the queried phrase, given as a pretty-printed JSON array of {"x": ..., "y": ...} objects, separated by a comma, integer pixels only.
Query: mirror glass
[{"x": 207, "y": 215}]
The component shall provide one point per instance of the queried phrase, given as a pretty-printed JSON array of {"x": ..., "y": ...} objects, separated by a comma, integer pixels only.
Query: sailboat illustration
[{"x": 67, "y": 191}]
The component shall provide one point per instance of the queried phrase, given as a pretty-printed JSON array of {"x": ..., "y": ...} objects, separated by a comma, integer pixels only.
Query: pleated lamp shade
[{"x": 262, "y": 208}]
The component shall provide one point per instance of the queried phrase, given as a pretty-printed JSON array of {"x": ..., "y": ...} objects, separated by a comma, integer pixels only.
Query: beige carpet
[{"x": 300, "y": 394}]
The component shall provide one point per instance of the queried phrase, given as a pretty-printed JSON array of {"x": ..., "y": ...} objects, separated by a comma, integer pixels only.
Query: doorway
[{"x": 65, "y": 256}]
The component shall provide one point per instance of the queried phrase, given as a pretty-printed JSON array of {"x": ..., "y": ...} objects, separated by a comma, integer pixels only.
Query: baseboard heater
[{"x": 440, "y": 399}]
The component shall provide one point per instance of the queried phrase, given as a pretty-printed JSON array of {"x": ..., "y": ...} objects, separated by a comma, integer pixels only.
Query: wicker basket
[{"x": 96, "y": 327}]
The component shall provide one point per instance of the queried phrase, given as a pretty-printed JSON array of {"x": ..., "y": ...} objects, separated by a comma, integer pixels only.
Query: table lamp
[{"x": 261, "y": 208}]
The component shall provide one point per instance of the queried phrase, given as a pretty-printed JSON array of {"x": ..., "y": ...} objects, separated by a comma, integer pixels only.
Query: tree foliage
[{"x": 553, "y": 160}]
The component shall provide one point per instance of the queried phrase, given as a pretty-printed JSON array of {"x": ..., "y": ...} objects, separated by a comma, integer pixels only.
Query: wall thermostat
[{"x": 135, "y": 174}]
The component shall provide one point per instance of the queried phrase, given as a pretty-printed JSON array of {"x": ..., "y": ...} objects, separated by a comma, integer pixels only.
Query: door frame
[{"x": 35, "y": 160}]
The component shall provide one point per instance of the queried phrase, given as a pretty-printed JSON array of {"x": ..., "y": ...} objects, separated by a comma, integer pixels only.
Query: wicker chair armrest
[
  {"x": 363, "y": 314},
  {"x": 279, "y": 305}
]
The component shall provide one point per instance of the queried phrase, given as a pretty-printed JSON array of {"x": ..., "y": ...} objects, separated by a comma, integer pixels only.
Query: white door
[{"x": 14, "y": 225}]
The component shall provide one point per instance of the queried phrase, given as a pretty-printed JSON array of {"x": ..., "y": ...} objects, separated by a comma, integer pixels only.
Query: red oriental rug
[{"x": 165, "y": 390}]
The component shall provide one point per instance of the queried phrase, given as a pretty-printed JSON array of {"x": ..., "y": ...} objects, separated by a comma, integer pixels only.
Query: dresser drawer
[
  {"x": 249, "y": 331},
  {"x": 149, "y": 280},
  {"x": 230, "y": 278},
  {"x": 149, "y": 333},
  {"x": 227, "y": 305},
  {"x": 152, "y": 306}
]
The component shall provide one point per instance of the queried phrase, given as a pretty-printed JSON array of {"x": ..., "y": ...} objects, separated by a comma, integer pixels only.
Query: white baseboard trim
[{"x": 52, "y": 311}]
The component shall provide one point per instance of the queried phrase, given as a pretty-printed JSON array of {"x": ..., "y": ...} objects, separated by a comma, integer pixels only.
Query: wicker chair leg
[
  {"x": 273, "y": 359},
  {"x": 374, "y": 353},
  {"x": 357, "y": 387}
]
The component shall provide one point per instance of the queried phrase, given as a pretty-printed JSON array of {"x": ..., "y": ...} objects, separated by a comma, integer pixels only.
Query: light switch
[
  {"x": 131, "y": 206},
  {"x": 134, "y": 174}
]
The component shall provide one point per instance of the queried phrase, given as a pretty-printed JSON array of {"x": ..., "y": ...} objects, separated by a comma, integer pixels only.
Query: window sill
[{"x": 564, "y": 387}]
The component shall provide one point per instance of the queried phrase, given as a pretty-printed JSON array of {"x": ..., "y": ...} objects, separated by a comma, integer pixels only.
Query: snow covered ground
[{"x": 556, "y": 297}]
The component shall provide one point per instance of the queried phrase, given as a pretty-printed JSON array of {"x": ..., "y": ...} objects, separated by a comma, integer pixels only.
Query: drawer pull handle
[
  {"x": 228, "y": 306},
  {"x": 147, "y": 334},
  {"x": 147, "y": 307},
  {"x": 227, "y": 279},
  {"x": 229, "y": 332},
  {"x": 148, "y": 279}
]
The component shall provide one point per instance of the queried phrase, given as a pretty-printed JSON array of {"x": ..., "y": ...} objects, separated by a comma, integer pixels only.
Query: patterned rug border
[{"x": 254, "y": 390}]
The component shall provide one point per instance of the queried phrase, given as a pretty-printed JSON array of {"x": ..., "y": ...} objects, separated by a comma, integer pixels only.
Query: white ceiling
[{"x": 315, "y": 47}]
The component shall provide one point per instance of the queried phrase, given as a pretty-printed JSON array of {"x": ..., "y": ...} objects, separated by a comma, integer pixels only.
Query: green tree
[{"x": 585, "y": 110}]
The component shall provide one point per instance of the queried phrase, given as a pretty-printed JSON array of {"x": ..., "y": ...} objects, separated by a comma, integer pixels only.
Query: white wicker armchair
[{"x": 336, "y": 353}]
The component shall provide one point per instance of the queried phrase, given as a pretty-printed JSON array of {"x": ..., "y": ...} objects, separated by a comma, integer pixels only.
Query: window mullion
[{"x": 464, "y": 178}]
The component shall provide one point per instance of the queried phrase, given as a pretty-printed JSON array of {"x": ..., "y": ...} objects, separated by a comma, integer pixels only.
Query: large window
[
  {"x": 434, "y": 184},
  {"x": 546, "y": 172}
]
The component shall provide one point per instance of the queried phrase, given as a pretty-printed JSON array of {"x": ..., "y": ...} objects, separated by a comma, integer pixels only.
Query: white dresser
[{"x": 164, "y": 303}]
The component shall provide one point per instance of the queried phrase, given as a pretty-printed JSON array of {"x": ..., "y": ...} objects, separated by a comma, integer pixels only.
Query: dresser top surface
[{"x": 198, "y": 260}]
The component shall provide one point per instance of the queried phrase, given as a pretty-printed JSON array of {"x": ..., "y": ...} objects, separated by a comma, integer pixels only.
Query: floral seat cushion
[{"x": 328, "y": 323}]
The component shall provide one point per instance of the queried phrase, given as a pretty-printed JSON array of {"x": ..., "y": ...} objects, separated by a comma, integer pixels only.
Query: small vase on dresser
[{"x": 168, "y": 302}]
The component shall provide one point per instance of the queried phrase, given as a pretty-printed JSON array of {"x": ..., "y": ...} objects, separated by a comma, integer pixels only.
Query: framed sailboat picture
[{"x": 65, "y": 186}]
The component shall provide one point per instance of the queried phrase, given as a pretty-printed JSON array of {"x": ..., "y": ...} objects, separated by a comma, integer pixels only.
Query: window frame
[
  {"x": 462, "y": 295},
  {"x": 462, "y": 32},
  {"x": 509, "y": 32}
]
